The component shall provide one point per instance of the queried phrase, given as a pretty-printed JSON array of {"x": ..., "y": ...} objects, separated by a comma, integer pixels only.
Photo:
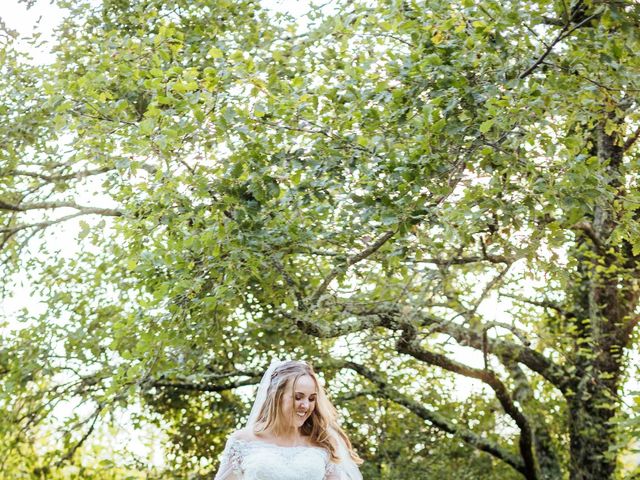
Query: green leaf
[
  {"x": 215, "y": 52},
  {"x": 486, "y": 125}
]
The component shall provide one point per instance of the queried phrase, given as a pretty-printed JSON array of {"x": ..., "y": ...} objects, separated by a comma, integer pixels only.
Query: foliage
[{"x": 403, "y": 192}]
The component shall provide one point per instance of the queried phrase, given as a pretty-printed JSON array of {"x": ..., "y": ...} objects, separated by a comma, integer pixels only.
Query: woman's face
[{"x": 300, "y": 401}]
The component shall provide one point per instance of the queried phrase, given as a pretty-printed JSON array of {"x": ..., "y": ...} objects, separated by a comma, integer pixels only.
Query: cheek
[{"x": 287, "y": 405}]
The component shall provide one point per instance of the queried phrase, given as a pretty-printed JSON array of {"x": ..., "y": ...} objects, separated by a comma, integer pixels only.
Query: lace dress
[{"x": 260, "y": 460}]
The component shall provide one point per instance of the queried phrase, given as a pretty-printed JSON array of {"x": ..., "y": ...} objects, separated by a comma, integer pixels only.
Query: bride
[{"x": 292, "y": 432}]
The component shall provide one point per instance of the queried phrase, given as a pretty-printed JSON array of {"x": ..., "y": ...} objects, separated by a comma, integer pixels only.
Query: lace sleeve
[
  {"x": 230, "y": 462},
  {"x": 335, "y": 472},
  {"x": 332, "y": 472}
]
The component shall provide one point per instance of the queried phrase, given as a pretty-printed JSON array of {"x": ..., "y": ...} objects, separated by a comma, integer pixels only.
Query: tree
[{"x": 357, "y": 193}]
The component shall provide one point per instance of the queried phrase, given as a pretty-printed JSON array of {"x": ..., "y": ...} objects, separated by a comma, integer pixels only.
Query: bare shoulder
[{"x": 243, "y": 434}]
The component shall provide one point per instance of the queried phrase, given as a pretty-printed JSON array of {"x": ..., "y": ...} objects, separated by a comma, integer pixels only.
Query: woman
[{"x": 292, "y": 432}]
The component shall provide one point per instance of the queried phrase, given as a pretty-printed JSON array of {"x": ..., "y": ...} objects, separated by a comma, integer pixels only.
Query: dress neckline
[{"x": 271, "y": 444}]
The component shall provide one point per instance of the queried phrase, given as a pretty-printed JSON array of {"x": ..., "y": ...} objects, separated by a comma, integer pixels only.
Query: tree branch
[
  {"x": 337, "y": 270},
  {"x": 42, "y": 225},
  {"x": 202, "y": 386},
  {"x": 62, "y": 177},
  {"x": 389, "y": 318},
  {"x": 466, "y": 260},
  {"x": 53, "y": 205},
  {"x": 524, "y": 394},
  {"x": 93, "y": 418},
  {"x": 564, "y": 32},
  {"x": 505, "y": 351},
  {"x": 588, "y": 230},
  {"x": 573, "y": 72},
  {"x": 487, "y": 289},
  {"x": 438, "y": 420},
  {"x": 78, "y": 175},
  {"x": 539, "y": 303},
  {"x": 297, "y": 290},
  {"x": 553, "y": 21},
  {"x": 322, "y": 329},
  {"x": 631, "y": 140},
  {"x": 410, "y": 345}
]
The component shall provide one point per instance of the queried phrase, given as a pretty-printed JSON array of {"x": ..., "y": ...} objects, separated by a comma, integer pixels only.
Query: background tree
[{"x": 394, "y": 184}]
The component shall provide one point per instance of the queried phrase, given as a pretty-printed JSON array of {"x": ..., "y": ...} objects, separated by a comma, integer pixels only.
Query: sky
[{"x": 43, "y": 17}]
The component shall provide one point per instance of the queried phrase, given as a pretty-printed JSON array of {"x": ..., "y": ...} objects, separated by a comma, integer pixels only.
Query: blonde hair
[{"x": 322, "y": 421}]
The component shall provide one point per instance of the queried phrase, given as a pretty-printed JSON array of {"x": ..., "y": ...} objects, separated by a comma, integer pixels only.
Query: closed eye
[{"x": 311, "y": 398}]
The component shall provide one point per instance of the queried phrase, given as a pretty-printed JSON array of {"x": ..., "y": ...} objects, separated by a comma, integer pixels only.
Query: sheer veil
[
  {"x": 261, "y": 396},
  {"x": 346, "y": 464}
]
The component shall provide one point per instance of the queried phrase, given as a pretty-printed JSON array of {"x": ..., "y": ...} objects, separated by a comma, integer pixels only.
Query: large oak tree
[{"x": 380, "y": 190}]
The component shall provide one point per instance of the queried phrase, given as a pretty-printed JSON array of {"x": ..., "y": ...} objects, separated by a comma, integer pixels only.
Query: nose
[{"x": 304, "y": 404}]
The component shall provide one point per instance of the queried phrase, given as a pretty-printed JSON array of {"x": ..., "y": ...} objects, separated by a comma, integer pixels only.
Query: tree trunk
[
  {"x": 603, "y": 303},
  {"x": 591, "y": 436}
]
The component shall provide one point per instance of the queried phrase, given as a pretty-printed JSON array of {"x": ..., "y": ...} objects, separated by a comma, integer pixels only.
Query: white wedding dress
[{"x": 260, "y": 460}]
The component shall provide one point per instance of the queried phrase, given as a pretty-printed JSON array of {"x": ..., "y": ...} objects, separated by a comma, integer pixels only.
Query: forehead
[{"x": 305, "y": 384}]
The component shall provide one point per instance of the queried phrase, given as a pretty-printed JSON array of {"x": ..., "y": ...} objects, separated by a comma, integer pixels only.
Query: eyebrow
[{"x": 312, "y": 394}]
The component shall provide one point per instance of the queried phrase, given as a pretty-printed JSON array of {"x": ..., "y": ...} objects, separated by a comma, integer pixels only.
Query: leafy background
[{"x": 402, "y": 193}]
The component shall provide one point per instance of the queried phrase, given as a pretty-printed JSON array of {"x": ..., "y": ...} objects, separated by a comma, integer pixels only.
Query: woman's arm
[
  {"x": 332, "y": 476},
  {"x": 231, "y": 461},
  {"x": 334, "y": 472}
]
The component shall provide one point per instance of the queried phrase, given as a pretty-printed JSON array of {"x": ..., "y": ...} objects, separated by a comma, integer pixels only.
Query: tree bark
[
  {"x": 591, "y": 436},
  {"x": 603, "y": 305}
]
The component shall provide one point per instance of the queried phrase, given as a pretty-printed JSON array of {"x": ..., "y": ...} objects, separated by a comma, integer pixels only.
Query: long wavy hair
[{"x": 321, "y": 424}]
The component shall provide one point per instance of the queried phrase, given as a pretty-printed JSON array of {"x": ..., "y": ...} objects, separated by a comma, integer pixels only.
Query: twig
[
  {"x": 375, "y": 246},
  {"x": 564, "y": 32},
  {"x": 631, "y": 140}
]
